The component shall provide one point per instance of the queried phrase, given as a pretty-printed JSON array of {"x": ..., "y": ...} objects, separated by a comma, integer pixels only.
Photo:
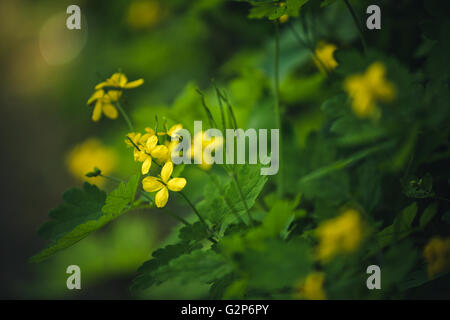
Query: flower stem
[
  {"x": 194, "y": 208},
  {"x": 358, "y": 25},
  {"x": 241, "y": 194},
  {"x": 125, "y": 116},
  {"x": 276, "y": 75}
]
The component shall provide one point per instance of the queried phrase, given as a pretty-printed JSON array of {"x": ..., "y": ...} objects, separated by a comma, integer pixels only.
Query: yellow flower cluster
[
  {"x": 89, "y": 154},
  {"x": 202, "y": 139},
  {"x": 437, "y": 255},
  {"x": 368, "y": 88},
  {"x": 312, "y": 287},
  {"x": 147, "y": 150},
  {"x": 324, "y": 58},
  {"x": 109, "y": 92},
  {"x": 342, "y": 234}
]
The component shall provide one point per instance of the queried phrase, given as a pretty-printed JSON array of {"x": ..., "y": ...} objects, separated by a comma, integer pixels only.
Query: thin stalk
[
  {"x": 280, "y": 190},
  {"x": 358, "y": 25},
  {"x": 241, "y": 194},
  {"x": 125, "y": 116},
  {"x": 193, "y": 208}
]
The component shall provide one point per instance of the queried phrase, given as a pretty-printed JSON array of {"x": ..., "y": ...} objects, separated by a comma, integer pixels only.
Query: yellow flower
[
  {"x": 144, "y": 14},
  {"x": 139, "y": 139},
  {"x": 324, "y": 57},
  {"x": 437, "y": 254},
  {"x": 368, "y": 88},
  {"x": 201, "y": 138},
  {"x": 104, "y": 104},
  {"x": 163, "y": 184},
  {"x": 173, "y": 131},
  {"x": 284, "y": 18},
  {"x": 342, "y": 234},
  {"x": 170, "y": 147},
  {"x": 119, "y": 80},
  {"x": 145, "y": 153},
  {"x": 312, "y": 287},
  {"x": 87, "y": 155}
]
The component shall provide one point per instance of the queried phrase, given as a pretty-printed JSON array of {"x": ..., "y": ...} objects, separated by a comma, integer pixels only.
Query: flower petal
[
  {"x": 173, "y": 131},
  {"x": 146, "y": 165},
  {"x": 95, "y": 96},
  {"x": 110, "y": 111},
  {"x": 151, "y": 184},
  {"x": 101, "y": 85},
  {"x": 160, "y": 152},
  {"x": 166, "y": 171},
  {"x": 97, "y": 114},
  {"x": 176, "y": 184},
  {"x": 134, "y": 84},
  {"x": 151, "y": 143},
  {"x": 162, "y": 197}
]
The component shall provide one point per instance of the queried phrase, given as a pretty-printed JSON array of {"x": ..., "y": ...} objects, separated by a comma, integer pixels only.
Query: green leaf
[
  {"x": 222, "y": 202},
  {"x": 83, "y": 211},
  {"x": 201, "y": 266},
  {"x": 195, "y": 232},
  {"x": 400, "y": 228},
  {"x": 428, "y": 214},
  {"x": 161, "y": 257},
  {"x": 121, "y": 197},
  {"x": 294, "y": 6}
]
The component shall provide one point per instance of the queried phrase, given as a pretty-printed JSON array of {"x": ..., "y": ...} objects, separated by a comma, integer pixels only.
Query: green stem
[
  {"x": 280, "y": 190},
  {"x": 358, "y": 25},
  {"x": 125, "y": 116},
  {"x": 241, "y": 194}
]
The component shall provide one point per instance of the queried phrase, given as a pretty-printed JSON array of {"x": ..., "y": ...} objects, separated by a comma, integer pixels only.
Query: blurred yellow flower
[
  {"x": 324, "y": 58},
  {"x": 203, "y": 140},
  {"x": 342, "y": 234},
  {"x": 119, "y": 80},
  {"x": 173, "y": 131},
  {"x": 284, "y": 18},
  {"x": 368, "y": 88},
  {"x": 104, "y": 104},
  {"x": 163, "y": 184},
  {"x": 89, "y": 154},
  {"x": 312, "y": 287},
  {"x": 144, "y": 14},
  {"x": 437, "y": 255}
]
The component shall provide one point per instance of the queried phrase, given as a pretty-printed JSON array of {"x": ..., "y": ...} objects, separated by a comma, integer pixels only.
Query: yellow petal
[
  {"x": 176, "y": 184},
  {"x": 110, "y": 111},
  {"x": 134, "y": 84},
  {"x": 113, "y": 95},
  {"x": 97, "y": 114},
  {"x": 166, "y": 171},
  {"x": 119, "y": 79},
  {"x": 151, "y": 184},
  {"x": 101, "y": 85},
  {"x": 174, "y": 130},
  {"x": 151, "y": 143},
  {"x": 97, "y": 95},
  {"x": 150, "y": 131},
  {"x": 161, "y": 197},
  {"x": 160, "y": 152},
  {"x": 146, "y": 165}
]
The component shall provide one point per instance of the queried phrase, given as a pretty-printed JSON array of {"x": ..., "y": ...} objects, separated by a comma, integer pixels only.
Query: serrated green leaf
[
  {"x": 200, "y": 265},
  {"x": 161, "y": 257},
  {"x": 84, "y": 211}
]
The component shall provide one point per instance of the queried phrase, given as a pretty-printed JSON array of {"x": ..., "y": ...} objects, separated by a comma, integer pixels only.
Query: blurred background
[{"x": 49, "y": 141}]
